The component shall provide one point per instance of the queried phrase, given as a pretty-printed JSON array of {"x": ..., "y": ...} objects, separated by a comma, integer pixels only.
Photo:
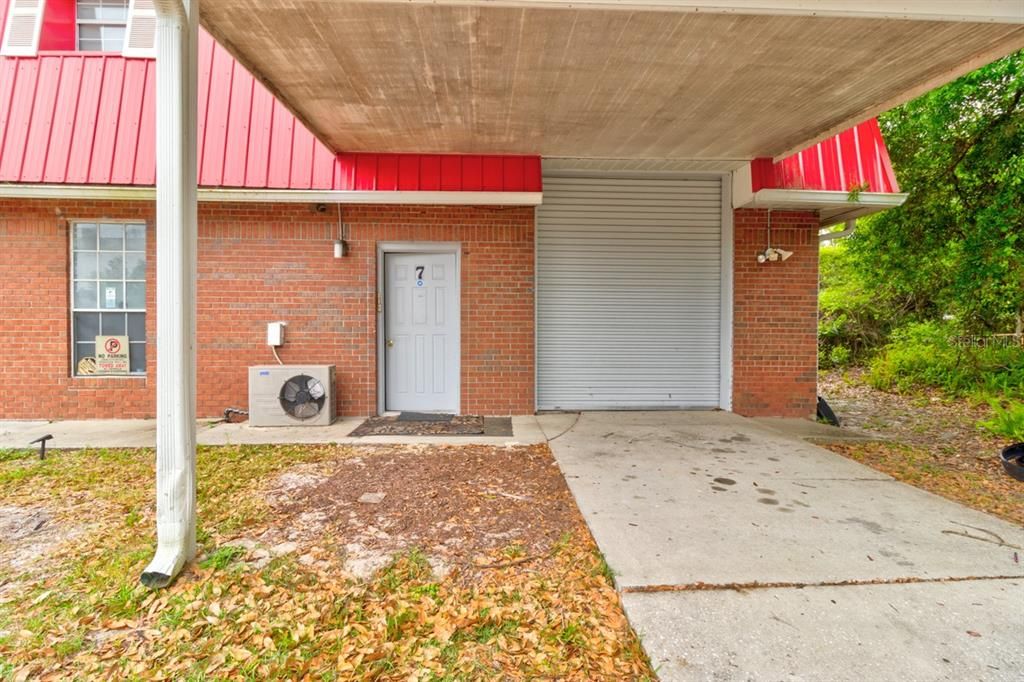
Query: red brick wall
[
  {"x": 35, "y": 317},
  {"x": 259, "y": 263},
  {"x": 775, "y": 317}
]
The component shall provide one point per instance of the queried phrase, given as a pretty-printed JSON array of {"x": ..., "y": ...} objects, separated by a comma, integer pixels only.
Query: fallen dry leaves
[
  {"x": 992, "y": 492},
  {"x": 550, "y": 613},
  {"x": 931, "y": 442}
]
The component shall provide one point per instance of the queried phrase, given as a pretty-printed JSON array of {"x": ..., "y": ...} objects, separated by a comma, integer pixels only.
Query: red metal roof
[
  {"x": 854, "y": 158},
  {"x": 74, "y": 118}
]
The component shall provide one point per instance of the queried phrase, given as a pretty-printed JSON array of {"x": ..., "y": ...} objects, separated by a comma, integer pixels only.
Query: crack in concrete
[
  {"x": 998, "y": 541},
  {"x": 743, "y": 587}
]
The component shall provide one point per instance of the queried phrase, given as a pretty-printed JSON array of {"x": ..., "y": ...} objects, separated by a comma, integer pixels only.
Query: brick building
[{"x": 476, "y": 283}]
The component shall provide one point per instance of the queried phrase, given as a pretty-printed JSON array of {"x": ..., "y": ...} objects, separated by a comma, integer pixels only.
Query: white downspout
[{"x": 176, "y": 237}]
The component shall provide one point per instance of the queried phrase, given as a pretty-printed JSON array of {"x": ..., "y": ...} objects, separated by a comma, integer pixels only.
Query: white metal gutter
[{"x": 177, "y": 39}]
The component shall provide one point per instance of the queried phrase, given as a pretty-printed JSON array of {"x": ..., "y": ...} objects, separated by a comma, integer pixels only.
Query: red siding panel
[
  {"x": 532, "y": 174},
  {"x": 366, "y": 172},
  {"x": 493, "y": 177},
  {"x": 218, "y": 109},
  {"x": 132, "y": 95},
  {"x": 302, "y": 158},
  {"x": 13, "y": 153},
  {"x": 42, "y": 120},
  {"x": 430, "y": 173},
  {"x": 513, "y": 174},
  {"x": 473, "y": 173},
  {"x": 80, "y": 156},
  {"x": 279, "y": 171},
  {"x": 145, "y": 155},
  {"x": 323, "y": 166},
  {"x": 205, "y": 70},
  {"x": 387, "y": 173},
  {"x": 65, "y": 114},
  {"x": 8, "y": 79},
  {"x": 236, "y": 155},
  {"x": 107, "y": 120},
  {"x": 408, "y": 173},
  {"x": 260, "y": 123},
  {"x": 451, "y": 173}
]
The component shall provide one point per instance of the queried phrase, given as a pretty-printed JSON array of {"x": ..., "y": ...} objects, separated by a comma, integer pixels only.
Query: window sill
[{"x": 109, "y": 376}]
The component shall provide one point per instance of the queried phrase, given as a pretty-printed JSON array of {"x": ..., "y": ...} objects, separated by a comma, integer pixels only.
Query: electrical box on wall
[{"x": 275, "y": 333}]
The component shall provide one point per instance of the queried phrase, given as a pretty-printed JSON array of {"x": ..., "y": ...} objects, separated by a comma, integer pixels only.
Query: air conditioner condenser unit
[{"x": 291, "y": 395}]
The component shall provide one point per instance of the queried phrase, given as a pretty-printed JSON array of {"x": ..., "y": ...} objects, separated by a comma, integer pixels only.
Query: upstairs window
[{"x": 101, "y": 25}]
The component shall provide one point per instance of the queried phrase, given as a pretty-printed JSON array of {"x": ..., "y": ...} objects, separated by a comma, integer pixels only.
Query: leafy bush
[
  {"x": 839, "y": 356},
  {"x": 920, "y": 355},
  {"x": 1006, "y": 421},
  {"x": 852, "y": 322}
]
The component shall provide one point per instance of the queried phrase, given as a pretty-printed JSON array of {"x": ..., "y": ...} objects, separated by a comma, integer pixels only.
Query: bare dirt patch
[
  {"x": 929, "y": 440},
  {"x": 28, "y": 537},
  {"x": 29, "y": 534},
  {"x": 458, "y": 504},
  {"x": 269, "y": 598}
]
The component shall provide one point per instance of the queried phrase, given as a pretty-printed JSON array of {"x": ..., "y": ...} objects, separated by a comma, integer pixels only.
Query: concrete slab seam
[{"x": 743, "y": 587}]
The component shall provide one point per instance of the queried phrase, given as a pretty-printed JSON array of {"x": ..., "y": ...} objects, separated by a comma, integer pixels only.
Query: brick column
[{"x": 775, "y": 316}]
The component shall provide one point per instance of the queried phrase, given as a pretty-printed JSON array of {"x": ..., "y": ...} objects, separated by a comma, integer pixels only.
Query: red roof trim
[{"x": 855, "y": 158}]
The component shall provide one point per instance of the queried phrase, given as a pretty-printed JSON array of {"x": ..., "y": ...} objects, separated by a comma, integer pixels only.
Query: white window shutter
[
  {"x": 140, "y": 34},
  {"x": 24, "y": 21}
]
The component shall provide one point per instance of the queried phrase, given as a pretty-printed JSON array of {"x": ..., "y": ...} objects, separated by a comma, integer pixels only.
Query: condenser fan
[{"x": 303, "y": 397}]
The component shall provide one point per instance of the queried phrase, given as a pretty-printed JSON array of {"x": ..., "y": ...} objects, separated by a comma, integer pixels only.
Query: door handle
[{"x": 391, "y": 343}]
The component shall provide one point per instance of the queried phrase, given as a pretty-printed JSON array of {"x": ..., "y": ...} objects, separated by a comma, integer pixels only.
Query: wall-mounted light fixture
[
  {"x": 340, "y": 245},
  {"x": 772, "y": 253}
]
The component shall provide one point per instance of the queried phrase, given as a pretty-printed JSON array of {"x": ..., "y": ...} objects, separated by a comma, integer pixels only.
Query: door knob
[{"x": 391, "y": 342}]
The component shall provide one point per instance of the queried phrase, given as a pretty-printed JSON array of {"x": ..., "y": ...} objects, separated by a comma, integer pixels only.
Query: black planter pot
[{"x": 1013, "y": 460}]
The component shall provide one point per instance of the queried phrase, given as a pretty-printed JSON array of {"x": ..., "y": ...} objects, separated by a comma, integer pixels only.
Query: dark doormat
[{"x": 454, "y": 426}]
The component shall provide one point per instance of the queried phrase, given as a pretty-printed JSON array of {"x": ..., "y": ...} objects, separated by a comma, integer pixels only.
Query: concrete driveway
[{"x": 744, "y": 553}]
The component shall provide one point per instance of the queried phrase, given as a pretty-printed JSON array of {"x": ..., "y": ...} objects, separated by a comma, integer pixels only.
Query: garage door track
[{"x": 744, "y": 553}]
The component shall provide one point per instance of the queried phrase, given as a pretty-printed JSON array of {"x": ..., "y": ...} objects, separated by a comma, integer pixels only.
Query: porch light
[{"x": 340, "y": 245}]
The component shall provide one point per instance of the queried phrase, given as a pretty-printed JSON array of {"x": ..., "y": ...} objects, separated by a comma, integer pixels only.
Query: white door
[
  {"x": 421, "y": 332},
  {"x": 629, "y": 293}
]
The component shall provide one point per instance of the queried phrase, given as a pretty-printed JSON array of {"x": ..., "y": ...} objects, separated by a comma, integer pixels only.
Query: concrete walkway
[
  {"x": 141, "y": 433},
  {"x": 873, "y": 579}
]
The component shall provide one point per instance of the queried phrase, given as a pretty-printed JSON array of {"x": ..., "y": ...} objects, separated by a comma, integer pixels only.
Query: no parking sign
[{"x": 112, "y": 355}]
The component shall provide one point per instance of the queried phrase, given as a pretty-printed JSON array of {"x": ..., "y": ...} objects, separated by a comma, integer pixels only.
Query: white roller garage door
[{"x": 629, "y": 293}]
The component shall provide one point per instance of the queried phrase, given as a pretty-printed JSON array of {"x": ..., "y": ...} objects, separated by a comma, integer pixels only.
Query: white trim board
[
  {"x": 128, "y": 193},
  {"x": 726, "y": 312},
  {"x": 832, "y": 207}
]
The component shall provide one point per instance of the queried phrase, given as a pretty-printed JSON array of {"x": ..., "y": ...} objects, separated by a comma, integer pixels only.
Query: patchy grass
[
  {"x": 10, "y": 454},
  {"x": 990, "y": 492},
  {"x": 83, "y": 614}
]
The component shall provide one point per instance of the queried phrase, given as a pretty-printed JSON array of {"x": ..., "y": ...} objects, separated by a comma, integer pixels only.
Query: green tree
[{"x": 957, "y": 245}]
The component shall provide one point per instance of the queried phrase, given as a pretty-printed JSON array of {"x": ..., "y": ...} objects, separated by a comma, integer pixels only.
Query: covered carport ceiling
[{"x": 661, "y": 79}]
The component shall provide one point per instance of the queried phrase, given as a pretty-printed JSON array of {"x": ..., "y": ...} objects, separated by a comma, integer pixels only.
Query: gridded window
[
  {"x": 108, "y": 271},
  {"x": 101, "y": 25}
]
